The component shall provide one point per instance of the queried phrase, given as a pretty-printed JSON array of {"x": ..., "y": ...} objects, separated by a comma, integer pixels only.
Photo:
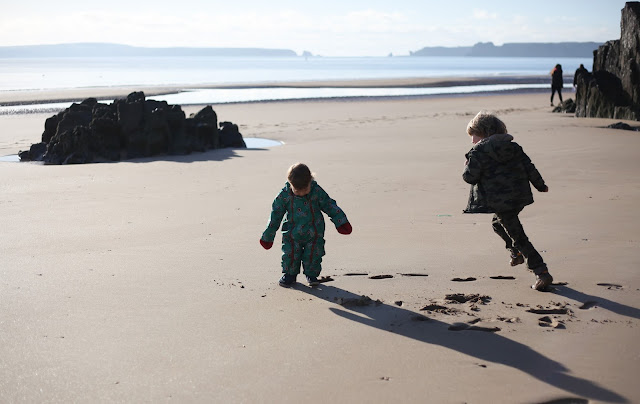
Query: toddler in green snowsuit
[{"x": 301, "y": 203}]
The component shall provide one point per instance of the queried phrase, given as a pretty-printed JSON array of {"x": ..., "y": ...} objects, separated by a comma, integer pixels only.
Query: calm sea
[{"x": 57, "y": 73}]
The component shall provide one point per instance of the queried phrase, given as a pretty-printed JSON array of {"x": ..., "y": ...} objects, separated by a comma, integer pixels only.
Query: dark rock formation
[
  {"x": 613, "y": 89},
  {"x": 230, "y": 135},
  {"x": 566, "y": 107},
  {"x": 128, "y": 128},
  {"x": 623, "y": 126}
]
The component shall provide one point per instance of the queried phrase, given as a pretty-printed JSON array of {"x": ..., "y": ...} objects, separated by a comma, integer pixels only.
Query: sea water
[
  {"x": 238, "y": 95},
  {"x": 58, "y": 73}
]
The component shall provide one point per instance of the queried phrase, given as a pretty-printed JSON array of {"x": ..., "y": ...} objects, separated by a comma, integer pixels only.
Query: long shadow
[
  {"x": 209, "y": 155},
  {"x": 607, "y": 304},
  {"x": 487, "y": 346}
]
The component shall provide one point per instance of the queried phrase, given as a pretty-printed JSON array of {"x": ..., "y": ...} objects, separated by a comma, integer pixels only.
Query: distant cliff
[
  {"x": 524, "y": 49},
  {"x": 116, "y": 50}
]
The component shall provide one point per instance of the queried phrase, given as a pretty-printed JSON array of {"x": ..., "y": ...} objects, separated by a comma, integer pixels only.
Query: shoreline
[{"x": 28, "y": 97}]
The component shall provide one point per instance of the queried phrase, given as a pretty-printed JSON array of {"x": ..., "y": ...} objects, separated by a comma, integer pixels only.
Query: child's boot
[
  {"x": 313, "y": 281},
  {"x": 516, "y": 257},
  {"x": 287, "y": 280},
  {"x": 543, "y": 280}
]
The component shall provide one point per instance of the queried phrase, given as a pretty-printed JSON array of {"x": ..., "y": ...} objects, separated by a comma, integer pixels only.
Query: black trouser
[
  {"x": 553, "y": 91},
  {"x": 507, "y": 225}
]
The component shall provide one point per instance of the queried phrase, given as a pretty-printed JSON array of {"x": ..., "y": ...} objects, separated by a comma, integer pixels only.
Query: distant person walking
[
  {"x": 579, "y": 72},
  {"x": 556, "y": 82}
]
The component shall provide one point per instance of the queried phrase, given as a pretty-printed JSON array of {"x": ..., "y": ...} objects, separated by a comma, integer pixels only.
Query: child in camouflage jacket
[
  {"x": 301, "y": 203},
  {"x": 500, "y": 172}
]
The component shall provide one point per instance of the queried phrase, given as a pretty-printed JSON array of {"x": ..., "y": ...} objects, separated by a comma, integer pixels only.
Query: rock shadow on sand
[
  {"x": 486, "y": 346},
  {"x": 195, "y": 157},
  {"x": 222, "y": 154}
]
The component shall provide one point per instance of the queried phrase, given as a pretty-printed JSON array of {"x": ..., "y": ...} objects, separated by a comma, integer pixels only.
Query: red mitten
[
  {"x": 345, "y": 228},
  {"x": 266, "y": 244}
]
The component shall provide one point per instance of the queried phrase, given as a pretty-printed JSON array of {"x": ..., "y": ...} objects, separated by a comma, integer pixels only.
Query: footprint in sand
[
  {"x": 467, "y": 327},
  {"x": 436, "y": 308},
  {"x": 567, "y": 400},
  {"x": 462, "y": 298},
  {"x": 356, "y": 301},
  {"x": 413, "y": 274},
  {"x": 610, "y": 285},
  {"x": 356, "y": 274},
  {"x": 502, "y": 277},
  {"x": 548, "y": 311},
  {"x": 469, "y": 279},
  {"x": 589, "y": 304},
  {"x": 547, "y": 321},
  {"x": 381, "y": 277}
]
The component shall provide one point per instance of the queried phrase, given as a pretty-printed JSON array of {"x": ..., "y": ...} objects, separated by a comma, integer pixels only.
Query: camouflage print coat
[
  {"x": 499, "y": 172},
  {"x": 303, "y": 219}
]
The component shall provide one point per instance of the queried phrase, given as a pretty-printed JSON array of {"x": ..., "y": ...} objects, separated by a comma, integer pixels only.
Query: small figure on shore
[
  {"x": 301, "y": 203},
  {"x": 556, "y": 82},
  {"x": 579, "y": 72},
  {"x": 500, "y": 172}
]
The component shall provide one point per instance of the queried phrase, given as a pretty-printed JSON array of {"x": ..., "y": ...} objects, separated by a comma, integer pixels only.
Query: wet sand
[{"x": 75, "y": 94}]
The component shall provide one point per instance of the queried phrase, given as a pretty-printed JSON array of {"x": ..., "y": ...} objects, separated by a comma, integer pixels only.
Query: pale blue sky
[{"x": 327, "y": 27}]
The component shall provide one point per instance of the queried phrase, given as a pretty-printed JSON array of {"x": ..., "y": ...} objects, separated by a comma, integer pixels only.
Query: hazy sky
[{"x": 326, "y": 27}]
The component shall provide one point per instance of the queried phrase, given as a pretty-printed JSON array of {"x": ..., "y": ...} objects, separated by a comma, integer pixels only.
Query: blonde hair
[
  {"x": 299, "y": 176},
  {"x": 485, "y": 124}
]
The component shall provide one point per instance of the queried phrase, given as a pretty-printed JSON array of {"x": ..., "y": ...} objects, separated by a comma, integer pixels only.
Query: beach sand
[{"x": 143, "y": 281}]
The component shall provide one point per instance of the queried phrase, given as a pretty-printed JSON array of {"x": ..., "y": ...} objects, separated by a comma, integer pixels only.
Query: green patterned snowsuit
[{"x": 303, "y": 227}]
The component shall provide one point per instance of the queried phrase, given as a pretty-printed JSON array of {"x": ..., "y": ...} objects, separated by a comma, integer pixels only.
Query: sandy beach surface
[{"x": 143, "y": 281}]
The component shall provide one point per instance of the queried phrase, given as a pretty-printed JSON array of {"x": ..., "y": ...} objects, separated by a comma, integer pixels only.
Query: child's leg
[
  {"x": 516, "y": 256},
  {"x": 511, "y": 223},
  {"x": 500, "y": 231},
  {"x": 312, "y": 257},
  {"x": 291, "y": 256}
]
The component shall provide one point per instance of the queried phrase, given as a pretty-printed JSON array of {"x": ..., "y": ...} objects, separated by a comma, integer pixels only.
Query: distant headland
[
  {"x": 524, "y": 49},
  {"x": 117, "y": 50}
]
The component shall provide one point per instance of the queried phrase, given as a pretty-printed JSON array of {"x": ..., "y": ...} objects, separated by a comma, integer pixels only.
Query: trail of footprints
[{"x": 551, "y": 316}]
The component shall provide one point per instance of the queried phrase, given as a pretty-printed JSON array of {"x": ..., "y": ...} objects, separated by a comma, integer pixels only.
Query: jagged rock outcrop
[
  {"x": 612, "y": 90},
  {"x": 128, "y": 128},
  {"x": 566, "y": 107},
  {"x": 623, "y": 126}
]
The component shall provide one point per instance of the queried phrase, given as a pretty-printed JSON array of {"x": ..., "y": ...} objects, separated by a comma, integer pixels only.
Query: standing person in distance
[{"x": 556, "y": 82}]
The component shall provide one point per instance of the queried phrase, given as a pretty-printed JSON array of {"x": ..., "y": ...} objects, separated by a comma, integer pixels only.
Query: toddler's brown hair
[{"x": 299, "y": 176}]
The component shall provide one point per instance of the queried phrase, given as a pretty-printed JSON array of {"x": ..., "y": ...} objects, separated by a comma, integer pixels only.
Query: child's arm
[
  {"x": 534, "y": 175},
  {"x": 278, "y": 210},
  {"x": 472, "y": 169},
  {"x": 331, "y": 208}
]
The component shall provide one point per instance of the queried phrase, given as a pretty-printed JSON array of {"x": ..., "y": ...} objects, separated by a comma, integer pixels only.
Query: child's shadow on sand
[
  {"x": 487, "y": 346},
  {"x": 589, "y": 301}
]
